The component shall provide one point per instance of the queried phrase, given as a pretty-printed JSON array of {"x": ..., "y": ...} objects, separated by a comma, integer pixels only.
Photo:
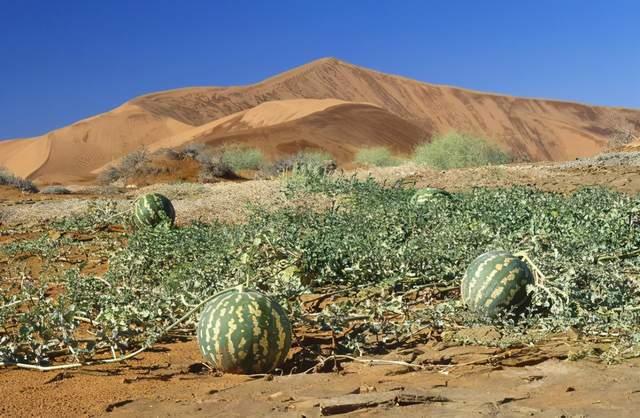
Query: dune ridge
[{"x": 306, "y": 100}]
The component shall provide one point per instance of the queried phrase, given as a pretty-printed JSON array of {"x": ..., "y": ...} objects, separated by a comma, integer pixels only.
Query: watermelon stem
[{"x": 556, "y": 295}]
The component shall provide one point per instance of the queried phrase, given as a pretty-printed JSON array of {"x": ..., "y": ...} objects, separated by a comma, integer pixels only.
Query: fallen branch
[
  {"x": 620, "y": 256},
  {"x": 354, "y": 402}
]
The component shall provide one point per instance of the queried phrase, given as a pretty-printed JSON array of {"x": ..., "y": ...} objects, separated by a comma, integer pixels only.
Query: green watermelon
[
  {"x": 496, "y": 282},
  {"x": 152, "y": 210},
  {"x": 421, "y": 196},
  {"x": 243, "y": 331}
]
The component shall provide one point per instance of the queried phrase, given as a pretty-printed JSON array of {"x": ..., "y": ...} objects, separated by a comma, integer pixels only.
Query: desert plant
[
  {"x": 56, "y": 189},
  {"x": 169, "y": 154},
  {"x": 376, "y": 156},
  {"x": 133, "y": 162},
  {"x": 193, "y": 150},
  {"x": 622, "y": 134},
  {"x": 213, "y": 168},
  {"x": 109, "y": 175},
  {"x": 242, "y": 158},
  {"x": 456, "y": 150},
  {"x": 9, "y": 179},
  {"x": 314, "y": 160}
]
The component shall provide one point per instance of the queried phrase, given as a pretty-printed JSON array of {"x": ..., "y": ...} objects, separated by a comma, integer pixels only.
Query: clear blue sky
[{"x": 64, "y": 60}]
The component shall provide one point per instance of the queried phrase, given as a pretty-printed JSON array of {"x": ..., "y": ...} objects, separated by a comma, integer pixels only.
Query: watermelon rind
[
  {"x": 152, "y": 210},
  {"x": 422, "y": 196},
  {"x": 495, "y": 283},
  {"x": 244, "y": 331}
]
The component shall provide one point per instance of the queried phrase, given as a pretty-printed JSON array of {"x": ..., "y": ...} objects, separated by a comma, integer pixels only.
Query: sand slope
[
  {"x": 288, "y": 126},
  {"x": 535, "y": 128},
  {"x": 340, "y": 130},
  {"x": 71, "y": 153},
  {"x": 532, "y": 128}
]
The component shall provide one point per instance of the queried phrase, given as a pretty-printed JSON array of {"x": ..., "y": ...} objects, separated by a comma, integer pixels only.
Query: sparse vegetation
[
  {"x": 376, "y": 156},
  {"x": 9, "y": 179},
  {"x": 456, "y": 150},
  {"x": 192, "y": 150},
  {"x": 213, "y": 168},
  {"x": 622, "y": 134},
  {"x": 109, "y": 176},
  {"x": 378, "y": 251},
  {"x": 133, "y": 162},
  {"x": 169, "y": 154},
  {"x": 56, "y": 189},
  {"x": 131, "y": 165},
  {"x": 242, "y": 158},
  {"x": 310, "y": 160}
]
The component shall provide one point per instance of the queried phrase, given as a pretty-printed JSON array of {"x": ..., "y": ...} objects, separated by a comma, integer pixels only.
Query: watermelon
[
  {"x": 152, "y": 210},
  {"x": 421, "y": 196},
  {"x": 243, "y": 331},
  {"x": 496, "y": 282}
]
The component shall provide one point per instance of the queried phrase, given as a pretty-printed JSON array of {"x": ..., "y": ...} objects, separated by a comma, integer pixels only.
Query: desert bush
[
  {"x": 132, "y": 164},
  {"x": 213, "y": 168},
  {"x": 242, "y": 158},
  {"x": 9, "y": 179},
  {"x": 192, "y": 150},
  {"x": 376, "y": 156},
  {"x": 109, "y": 175},
  {"x": 169, "y": 154},
  {"x": 318, "y": 161},
  {"x": 55, "y": 190},
  {"x": 455, "y": 150}
]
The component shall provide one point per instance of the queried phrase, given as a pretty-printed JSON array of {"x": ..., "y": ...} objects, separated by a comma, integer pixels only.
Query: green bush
[
  {"x": 456, "y": 150},
  {"x": 314, "y": 157},
  {"x": 242, "y": 158},
  {"x": 376, "y": 156},
  {"x": 317, "y": 161}
]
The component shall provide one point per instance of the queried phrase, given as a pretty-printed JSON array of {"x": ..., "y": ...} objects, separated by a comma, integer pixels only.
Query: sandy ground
[
  {"x": 169, "y": 381},
  {"x": 228, "y": 201},
  {"x": 412, "y": 111}
]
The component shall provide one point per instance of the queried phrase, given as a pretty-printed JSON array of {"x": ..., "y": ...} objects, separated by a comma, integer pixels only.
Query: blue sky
[{"x": 64, "y": 60}]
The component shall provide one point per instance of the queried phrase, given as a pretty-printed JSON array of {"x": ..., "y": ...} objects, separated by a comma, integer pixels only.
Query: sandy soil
[
  {"x": 411, "y": 111},
  {"x": 170, "y": 381},
  {"x": 227, "y": 201}
]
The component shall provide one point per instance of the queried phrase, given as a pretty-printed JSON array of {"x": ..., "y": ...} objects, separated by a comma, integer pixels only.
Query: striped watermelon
[
  {"x": 496, "y": 282},
  {"x": 422, "y": 196},
  {"x": 243, "y": 331},
  {"x": 152, "y": 210}
]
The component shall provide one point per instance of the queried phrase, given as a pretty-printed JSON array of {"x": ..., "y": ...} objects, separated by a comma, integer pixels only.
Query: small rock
[{"x": 274, "y": 396}]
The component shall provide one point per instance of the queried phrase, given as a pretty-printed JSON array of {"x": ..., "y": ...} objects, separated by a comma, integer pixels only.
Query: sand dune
[
  {"x": 534, "y": 128},
  {"x": 339, "y": 130},
  {"x": 288, "y": 126},
  {"x": 261, "y": 116},
  {"x": 71, "y": 153},
  {"x": 24, "y": 156},
  {"x": 311, "y": 103}
]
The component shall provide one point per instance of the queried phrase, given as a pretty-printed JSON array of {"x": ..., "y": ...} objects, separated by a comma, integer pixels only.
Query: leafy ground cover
[{"x": 390, "y": 271}]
